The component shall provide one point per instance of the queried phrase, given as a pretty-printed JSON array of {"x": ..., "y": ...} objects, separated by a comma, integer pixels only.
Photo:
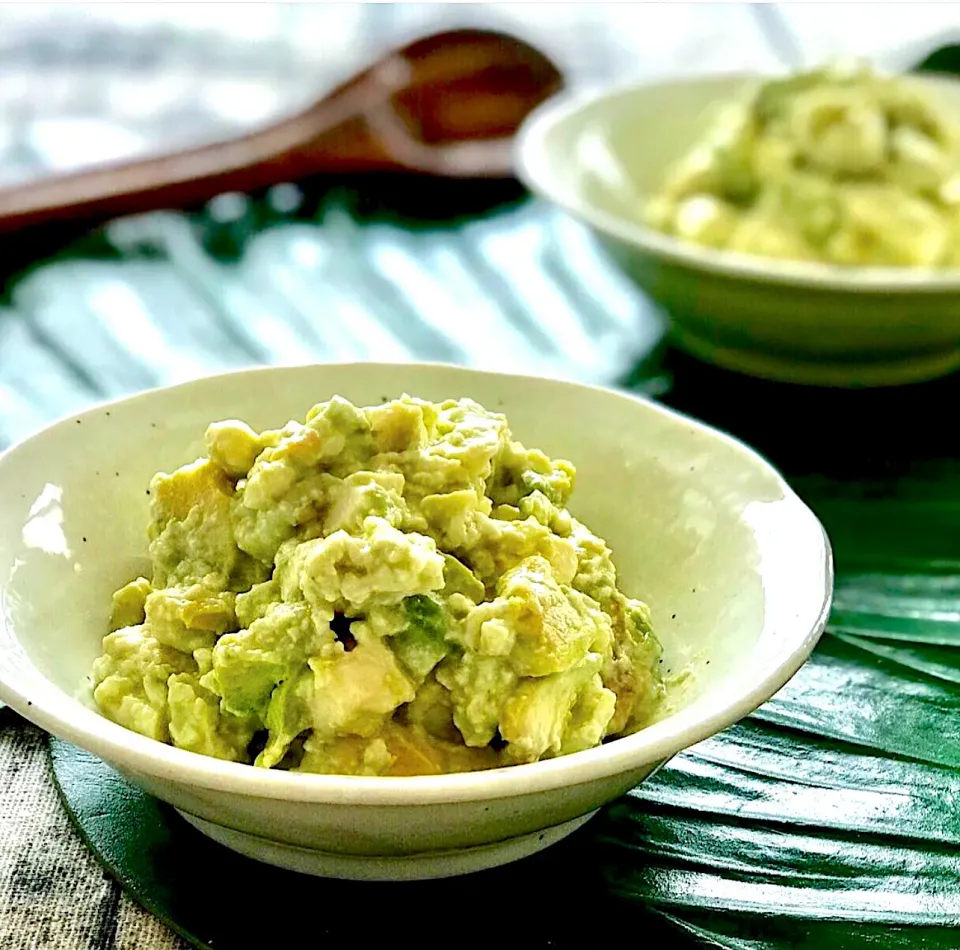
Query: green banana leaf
[{"x": 828, "y": 819}]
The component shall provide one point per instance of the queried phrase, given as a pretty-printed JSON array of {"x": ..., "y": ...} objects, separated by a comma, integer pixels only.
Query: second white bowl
[{"x": 600, "y": 155}]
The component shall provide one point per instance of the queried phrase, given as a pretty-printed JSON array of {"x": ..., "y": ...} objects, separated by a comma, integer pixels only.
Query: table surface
[{"x": 113, "y": 82}]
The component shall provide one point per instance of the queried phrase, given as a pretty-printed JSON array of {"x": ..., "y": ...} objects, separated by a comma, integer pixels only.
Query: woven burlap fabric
[{"x": 53, "y": 894}]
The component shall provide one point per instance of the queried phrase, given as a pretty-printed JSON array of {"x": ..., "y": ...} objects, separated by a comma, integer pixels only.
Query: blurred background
[
  {"x": 82, "y": 82},
  {"x": 367, "y": 269}
]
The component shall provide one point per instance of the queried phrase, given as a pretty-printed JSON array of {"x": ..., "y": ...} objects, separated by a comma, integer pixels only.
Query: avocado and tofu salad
[
  {"x": 840, "y": 165},
  {"x": 391, "y": 590}
]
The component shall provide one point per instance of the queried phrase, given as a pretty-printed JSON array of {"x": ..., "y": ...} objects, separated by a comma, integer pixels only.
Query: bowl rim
[
  {"x": 128, "y": 750},
  {"x": 535, "y": 170}
]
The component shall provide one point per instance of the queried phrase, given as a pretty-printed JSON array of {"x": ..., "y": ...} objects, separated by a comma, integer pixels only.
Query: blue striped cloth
[{"x": 525, "y": 289}]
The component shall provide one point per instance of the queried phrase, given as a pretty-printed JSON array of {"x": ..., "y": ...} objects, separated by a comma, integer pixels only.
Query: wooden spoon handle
[{"x": 332, "y": 137}]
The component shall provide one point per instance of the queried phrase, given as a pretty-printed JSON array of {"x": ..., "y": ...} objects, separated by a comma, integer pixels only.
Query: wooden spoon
[{"x": 444, "y": 105}]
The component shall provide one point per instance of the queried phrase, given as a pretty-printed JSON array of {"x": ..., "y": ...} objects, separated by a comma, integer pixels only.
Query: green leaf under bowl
[
  {"x": 829, "y": 818},
  {"x": 828, "y": 821}
]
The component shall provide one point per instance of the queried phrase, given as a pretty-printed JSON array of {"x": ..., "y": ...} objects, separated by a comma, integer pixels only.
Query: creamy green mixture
[
  {"x": 392, "y": 590},
  {"x": 837, "y": 165}
]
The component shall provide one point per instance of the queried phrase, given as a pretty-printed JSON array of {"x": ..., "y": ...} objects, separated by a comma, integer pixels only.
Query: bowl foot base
[
  {"x": 819, "y": 371},
  {"x": 414, "y": 867}
]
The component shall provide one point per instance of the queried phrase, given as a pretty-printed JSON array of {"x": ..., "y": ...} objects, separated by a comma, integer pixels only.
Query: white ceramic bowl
[
  {"x": 736, "y": 568},
  {"x": 599, "y": 155}
]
